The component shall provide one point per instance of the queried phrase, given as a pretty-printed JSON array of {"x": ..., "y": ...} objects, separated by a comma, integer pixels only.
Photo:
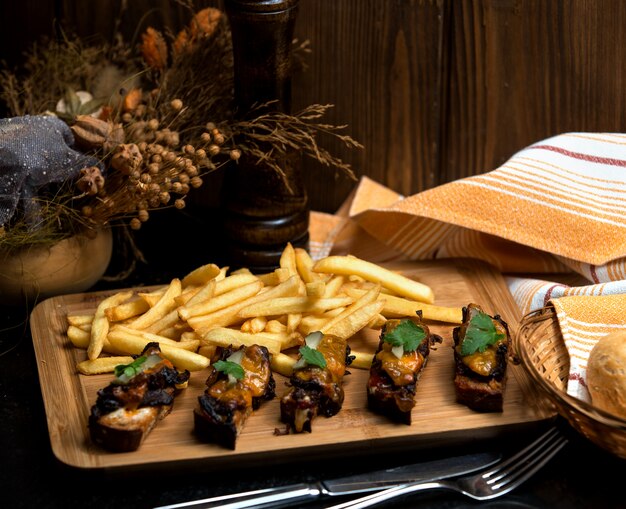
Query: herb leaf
[
  {"x": 130, "y": 370},
  {"x": 312, "y": 356},
  {"x": 407, "y": 334},
  {"x": 479, "y": 334},
  {"x": 230, "y": 368}
]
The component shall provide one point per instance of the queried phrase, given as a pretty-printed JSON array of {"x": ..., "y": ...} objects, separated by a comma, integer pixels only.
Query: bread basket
[{"x": 542, "y": 350}]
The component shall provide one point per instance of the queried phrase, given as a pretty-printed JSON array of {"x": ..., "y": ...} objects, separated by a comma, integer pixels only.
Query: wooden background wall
[{"x": 435, "y": 89}]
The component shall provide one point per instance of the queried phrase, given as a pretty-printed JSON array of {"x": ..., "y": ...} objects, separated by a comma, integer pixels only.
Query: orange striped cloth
[{"x": 556, "y": 207}]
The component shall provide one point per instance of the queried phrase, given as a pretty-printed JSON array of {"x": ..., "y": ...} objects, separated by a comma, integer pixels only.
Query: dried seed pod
[
  {"x": 90, "y": 132},
  {"x": 135, "y": 223},
  {"x": 91, "y": 180},
  {"x": 176, "y": 104},
  {"x": 179, "y": 204},
  {"x": 196, "y": 182},
  {"x": 205, "y": 137},
  {"x": 127, "y": 159},
  {"x": 154, "y": 48},
  {"x": 235, "y": 154},
  {"x": 153, "y": 168},
  {"x": 219, "y": 138},
  {"x": 143, "y": 215},
  {"x": 154, "y": 202},
  {"x": 214, "y": 150},
  {"x": 164, "y": 197},
  {"x": 192, "y": 171},
  {"x": 153, "y": 124},
  {"x": 131, "y": 100},
  {"x": 177, "y": 187},
  {"x": 183, "y": 178},
  {"x": 87, "y": 211},
  {"x": 145, "y": 178}
]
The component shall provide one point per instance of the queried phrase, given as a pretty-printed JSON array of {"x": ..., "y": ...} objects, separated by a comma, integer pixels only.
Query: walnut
[
  {"x": 127, "y": 158},
  {"x": 91, "y": 180}
]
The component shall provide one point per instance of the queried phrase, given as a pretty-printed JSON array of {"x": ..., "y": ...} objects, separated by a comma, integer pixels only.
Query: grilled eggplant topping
[
  {"x": 237, "y": 385},
  {"x": 129, "y": 407},
  {"x": 316, "y": 382},
  {"x": 401, "y": 356},
  {"x": 481, "y": 346}
]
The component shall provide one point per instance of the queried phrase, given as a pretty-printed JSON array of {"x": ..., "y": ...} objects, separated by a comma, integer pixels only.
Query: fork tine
[
  {"x": 552, "y": 432},
  {"x": 517, "y": 474}
]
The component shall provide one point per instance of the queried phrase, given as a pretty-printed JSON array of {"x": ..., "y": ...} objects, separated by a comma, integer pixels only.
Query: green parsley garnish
[
  {"x": 130, "y": 370},
  {"x": 406, "y": 334},
  {"x": 312, "y": 356},
  {"x": 480, "y": 333},
  {"x": 230, "y": 368}
]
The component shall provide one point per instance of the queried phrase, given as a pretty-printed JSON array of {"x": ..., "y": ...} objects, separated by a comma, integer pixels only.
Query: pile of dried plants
[{"x": 158, "y": 118}]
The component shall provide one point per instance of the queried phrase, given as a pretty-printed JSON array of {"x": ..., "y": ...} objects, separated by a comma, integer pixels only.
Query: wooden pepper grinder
[{"x": 262, "y": 213}]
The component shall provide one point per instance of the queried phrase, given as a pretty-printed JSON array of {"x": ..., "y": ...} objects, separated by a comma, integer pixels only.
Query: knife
[{"x": 361, "y": 483}]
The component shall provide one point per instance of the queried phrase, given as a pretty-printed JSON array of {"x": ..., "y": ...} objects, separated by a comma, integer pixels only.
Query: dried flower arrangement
[{"x": 155, "y": 122}]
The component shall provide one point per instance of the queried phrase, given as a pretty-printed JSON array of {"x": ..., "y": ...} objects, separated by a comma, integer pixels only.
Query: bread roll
[{"x": 606, "y": 374}]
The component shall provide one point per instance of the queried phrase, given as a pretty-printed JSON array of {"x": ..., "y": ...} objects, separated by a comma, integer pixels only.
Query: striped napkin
[{"x": 556, "y": 209}]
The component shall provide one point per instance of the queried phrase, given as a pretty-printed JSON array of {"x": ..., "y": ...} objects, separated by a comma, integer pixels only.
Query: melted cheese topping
[{"x": 124, "y": 418}]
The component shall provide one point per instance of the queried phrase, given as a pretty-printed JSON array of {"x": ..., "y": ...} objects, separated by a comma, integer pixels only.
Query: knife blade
[{"x": 361, "y": 483}]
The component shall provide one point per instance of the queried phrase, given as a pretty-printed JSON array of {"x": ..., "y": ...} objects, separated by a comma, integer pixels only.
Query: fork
[{"x": 491, "y": 483}]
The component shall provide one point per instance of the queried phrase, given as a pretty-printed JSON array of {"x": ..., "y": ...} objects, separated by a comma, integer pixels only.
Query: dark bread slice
[
  {"x": 386, "y": 397},
  {"x": 223, "y": 408},
  {"x": 482, "y": 391},
  {"x": 126, "y": 413}
]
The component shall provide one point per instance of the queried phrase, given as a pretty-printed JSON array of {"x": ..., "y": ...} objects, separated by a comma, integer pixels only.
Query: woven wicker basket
[{"x": 540, "y": 345}]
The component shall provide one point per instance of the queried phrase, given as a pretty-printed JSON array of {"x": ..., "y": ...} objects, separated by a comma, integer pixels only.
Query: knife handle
[{"x": 270, "y": 497}]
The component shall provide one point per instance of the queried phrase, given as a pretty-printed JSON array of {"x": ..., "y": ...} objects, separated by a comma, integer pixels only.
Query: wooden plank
[
  {"x": 68, "y": 396},
  {"x": 521, "y": 71},
  {"x": 379, "y": 63}
]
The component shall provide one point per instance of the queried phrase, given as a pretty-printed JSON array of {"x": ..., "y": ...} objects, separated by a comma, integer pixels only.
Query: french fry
[
  {"x": 126, "y": 310},
  {"x": 361, "y": 360},
  {"x": 189, "y": 336},
  {"x": 315, "y": 289},
  {"x": 350, "y": 265},
  {"x": 208, "y": 351},
  {"x": 165, "y": 322},
  {"x": 79, "y": 320},
  {"x": 377, "y": 322},
  {"x": 187, "y": 294},
  {"x": 242, "y": 270},
  {"x": 275, "y": 326},
  {"x": 304, "y": 265},
  {"x": 311, "y": 323},
  {"x": 154, "y": 296},
  {"x": 100, "y": 324},
  {"x": 101, "y": 365},
  {"x": 354, "y": 322},
  {"x": 79, "y": 337},
  {"x": 182, "y": 359},
  {"x": 286, "y": 305},
  {"x": 120, "y": 331},
  {"x": 288, "y": 260},
  {"x": 230, "y": 315},
  {"x": 254, "y": 325},
  {"x": 333, "y": 286},
  {"x": 396, "y": 307},
  {"x": 234, "y": 281},
  {"x": 367, "y": 298},
  {"x": 221, "y": 301},
  {"x": 164, "y": 305},
  {"x": 282, "y": 363},
  {"x": 293, "y": 320},
  {"x": 201, "y": 275},
  {"x": 224, "y": 336}
]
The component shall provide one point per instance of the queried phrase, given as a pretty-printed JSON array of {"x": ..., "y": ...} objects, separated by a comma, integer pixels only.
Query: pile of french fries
[{"x": 210, "y": 308}]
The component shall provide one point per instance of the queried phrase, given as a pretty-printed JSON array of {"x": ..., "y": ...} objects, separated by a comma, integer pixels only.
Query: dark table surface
[{"x": 580, "y": 476}]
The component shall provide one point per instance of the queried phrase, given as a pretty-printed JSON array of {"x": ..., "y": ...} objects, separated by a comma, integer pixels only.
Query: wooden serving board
[{"x": 68, "y": 396}]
